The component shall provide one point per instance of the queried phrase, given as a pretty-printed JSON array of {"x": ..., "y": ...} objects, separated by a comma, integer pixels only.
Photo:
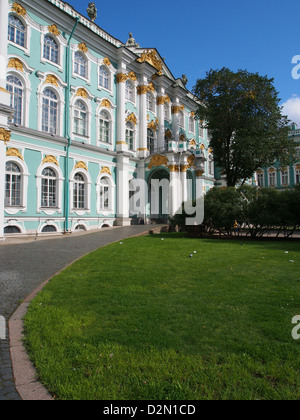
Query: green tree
[{"x": 242, "y": 113}]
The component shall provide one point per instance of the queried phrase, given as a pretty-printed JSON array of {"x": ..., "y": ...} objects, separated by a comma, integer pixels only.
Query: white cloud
[{"x": 291, "y": 108}]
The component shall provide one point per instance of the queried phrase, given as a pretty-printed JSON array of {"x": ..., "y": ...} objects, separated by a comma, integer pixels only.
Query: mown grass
[{"x": 143, "y": 320}]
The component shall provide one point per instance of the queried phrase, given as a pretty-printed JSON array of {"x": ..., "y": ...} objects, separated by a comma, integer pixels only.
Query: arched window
[
  {"x": 16, "y": 31},
  {"x": 49, "y": 188},
  {"x": 130, "y": 135},
  {"x": 150, "y": 141},
  {"x": 104, "y": 127},
  {"x": 49, "y": 229},
  {"x": 104, "y": 194},
  {"x": 129, "y": 91},
  {"x": 49, "y": 112},
  {"x": 15, "y": 87},
  {"x": 80, "y": 119},
  {"x": 80, "y": 65},
  {"x": 79, "y": 192},
  {"x": 150, "y": 102},
  {"x": 13, "y": 185},
  {"x": 104, "y": 77},
  {"x": 51, "y": 50}
]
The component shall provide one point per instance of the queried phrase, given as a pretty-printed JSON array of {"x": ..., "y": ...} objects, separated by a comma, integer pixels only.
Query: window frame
[
  {"x": 52, "y": 51},
  {"x": 23, "y": 45},
  {"x": 48, "y": 185},
  {"x": 80, "y": 65},
  {"x": 271, "y": 172},
  {"x": 13, "y": 95},
  {"x": 130, "y": 95},
  {"x": 108, "y": 129},
  {"x": 49, "y": 107},
  {"x": 130, "y": 135},
  {"x": 103, "y": 85},
  {"x": 19, "y": 181},
  {"x": 81, "y": 115}
]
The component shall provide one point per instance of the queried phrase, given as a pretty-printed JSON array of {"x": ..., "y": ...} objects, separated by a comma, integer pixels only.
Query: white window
[
  {"x": 130, "y": 135},
  {"x": 51, "y": 49},
  {"x": 13, "y": 185},
  {"x": 129, "y": 91},
  {"x": 167, "y": 111},
  {"x": 16, "y": 31},
  {"x": 285, "y": 177},
  {"x": 49, "y": 188},
  {"x": 104, "y": 127},
  {"x": 105, "y": 194},
  {"x": 210, "y": 165},
  {"x": 150, "y": 141},
  {"x": 49, "y": 112},
  {"x": 260, "y": 179},
  {"x": 191, "y": 125},
  {"x": 80, "y": 119},
  {"x": 80, "y": 65},
  {"x": 181, "y": 119},
  {"x": 272, "y": 178},
  {"x": 104, "y": 77},
  {"x": 79, "y": 192},
  {"x": 150, "y": 102},
  {"x": 15, "y": 87}
]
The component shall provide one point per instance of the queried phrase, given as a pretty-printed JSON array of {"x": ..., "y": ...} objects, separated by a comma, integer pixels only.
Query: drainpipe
[{"x": 67, "y": 125}]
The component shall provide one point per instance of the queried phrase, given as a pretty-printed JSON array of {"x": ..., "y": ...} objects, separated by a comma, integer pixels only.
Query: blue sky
[{"x": 259, "y": 35}]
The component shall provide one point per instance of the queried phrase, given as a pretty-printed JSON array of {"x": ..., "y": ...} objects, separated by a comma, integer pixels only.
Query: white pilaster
[
  {"x": 143, "y": 124},
  {"x": 121, "y": 125},
  {"x": 4, "y": 106},
  {"x": 161, "y": 118},
  {"x": 123, "y": 191},
  {"x": 175, "y": 120}
]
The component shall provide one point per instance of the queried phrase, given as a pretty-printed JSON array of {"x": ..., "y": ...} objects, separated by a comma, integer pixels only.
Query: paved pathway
[{"x": 25, "y": 264}]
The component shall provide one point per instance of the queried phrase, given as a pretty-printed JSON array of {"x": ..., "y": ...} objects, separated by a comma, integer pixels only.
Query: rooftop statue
[{"x": 92, "y": 11}]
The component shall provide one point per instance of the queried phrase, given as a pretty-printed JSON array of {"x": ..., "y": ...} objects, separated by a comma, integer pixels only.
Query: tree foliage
[{"x": 242, "y": 113}]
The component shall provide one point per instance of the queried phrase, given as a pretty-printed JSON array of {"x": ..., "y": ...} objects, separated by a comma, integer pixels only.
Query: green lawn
[{"x": 142, "y": 320}]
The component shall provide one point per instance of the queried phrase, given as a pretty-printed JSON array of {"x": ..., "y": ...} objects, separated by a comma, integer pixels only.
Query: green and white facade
[
  {"x": 278, "y": 176},
  {"x": 83, "y": 114}
]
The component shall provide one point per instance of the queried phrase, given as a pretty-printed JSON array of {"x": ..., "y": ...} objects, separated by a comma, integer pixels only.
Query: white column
[
  {"x": 174, "y": 188},
  {"x": 123, "y": 191},
  {"x": 4, "y": 104},
  {"x": 161, "y": 118},
  {"x": 175, "y": 119},
  {"x": 143, "y": 123},
  {"x": 121, "y": 125}
]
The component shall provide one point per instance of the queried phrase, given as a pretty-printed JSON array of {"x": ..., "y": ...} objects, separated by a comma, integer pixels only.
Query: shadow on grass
[{"x": 285, "y": 244}]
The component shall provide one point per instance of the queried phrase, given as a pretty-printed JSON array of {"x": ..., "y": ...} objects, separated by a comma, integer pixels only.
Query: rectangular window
[
  {"x": 284, "y": 178},
  {"x": 260, "y": 179},
  {"x": 272, "y": 179},
  {"x": 13, "y": 190},
  {"x": 104, "y": 198}
]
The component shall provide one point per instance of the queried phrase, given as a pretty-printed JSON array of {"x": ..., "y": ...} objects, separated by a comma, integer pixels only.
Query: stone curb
[{"x": 26, "y": 379}]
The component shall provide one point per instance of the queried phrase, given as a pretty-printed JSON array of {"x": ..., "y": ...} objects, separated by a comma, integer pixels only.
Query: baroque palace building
[{"x": 82, "y": 115}]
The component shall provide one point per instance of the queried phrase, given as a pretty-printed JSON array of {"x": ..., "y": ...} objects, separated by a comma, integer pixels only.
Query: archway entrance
[{"x": 158, "y": 195}]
